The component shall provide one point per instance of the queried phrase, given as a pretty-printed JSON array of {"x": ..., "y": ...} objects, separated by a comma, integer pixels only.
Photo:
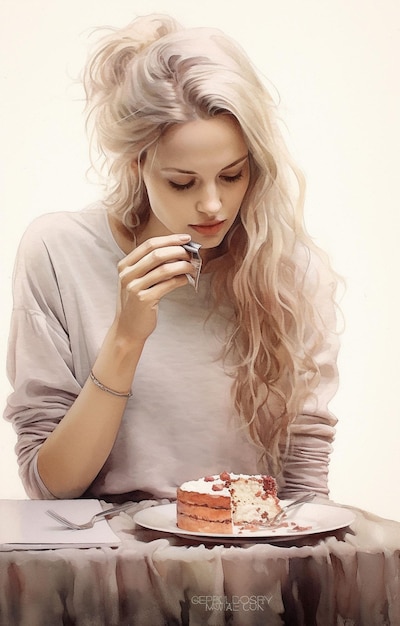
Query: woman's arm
[
  {"x": 312, "y": 433},
  {"x": 76, "y": 450}
]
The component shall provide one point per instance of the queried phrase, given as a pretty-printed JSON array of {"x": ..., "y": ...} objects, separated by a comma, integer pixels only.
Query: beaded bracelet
[{"x": 107, "y": 389}]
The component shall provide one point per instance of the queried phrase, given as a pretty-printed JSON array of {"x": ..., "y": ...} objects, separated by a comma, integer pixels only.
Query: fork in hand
[{"x": 99, "y": 516}]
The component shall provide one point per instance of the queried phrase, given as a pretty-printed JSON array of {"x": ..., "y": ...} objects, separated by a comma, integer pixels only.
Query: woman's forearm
[{"x": 74, "y": 453}]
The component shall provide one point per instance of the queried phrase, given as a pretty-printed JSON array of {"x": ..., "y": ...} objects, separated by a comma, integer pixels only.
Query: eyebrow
[{"x": 227, "y": 167}]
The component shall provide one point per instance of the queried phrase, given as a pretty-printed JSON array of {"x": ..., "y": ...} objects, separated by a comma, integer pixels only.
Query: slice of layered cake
[{"x": 226, "y": 503}]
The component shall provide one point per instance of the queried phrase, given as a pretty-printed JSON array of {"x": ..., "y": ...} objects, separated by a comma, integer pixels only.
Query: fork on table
[{"x": 96, "y": 518}]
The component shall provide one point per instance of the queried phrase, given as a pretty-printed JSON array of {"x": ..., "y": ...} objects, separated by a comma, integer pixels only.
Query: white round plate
[{"x": 309, "y": 519}]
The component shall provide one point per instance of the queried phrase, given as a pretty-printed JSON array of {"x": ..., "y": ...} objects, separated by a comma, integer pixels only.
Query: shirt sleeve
[
  {"x": 39, "y": 363},
  {"x": 312, "y": 433}
]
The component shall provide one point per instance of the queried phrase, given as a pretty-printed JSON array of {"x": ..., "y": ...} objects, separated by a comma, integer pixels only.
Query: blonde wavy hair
[{"x": 152, "y": 74}]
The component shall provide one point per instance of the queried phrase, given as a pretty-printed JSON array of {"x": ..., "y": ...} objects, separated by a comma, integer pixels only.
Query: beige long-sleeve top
[{"x": 180, "y": 423}]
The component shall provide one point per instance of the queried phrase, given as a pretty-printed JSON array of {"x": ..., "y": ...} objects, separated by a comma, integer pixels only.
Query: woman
[{"x": 126, "y": 380}]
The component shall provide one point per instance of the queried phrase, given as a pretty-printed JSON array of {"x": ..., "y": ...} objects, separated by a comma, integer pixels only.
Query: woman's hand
[{"x": 153, "y": 269}]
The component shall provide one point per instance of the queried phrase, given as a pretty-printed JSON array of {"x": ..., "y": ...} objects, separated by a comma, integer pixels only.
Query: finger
[
  {"x": 150, "y": 246},
  {"x": 157, "y": 292},
  {"x": 130, "y": 280},
  {"x": 159, "y": 257}
]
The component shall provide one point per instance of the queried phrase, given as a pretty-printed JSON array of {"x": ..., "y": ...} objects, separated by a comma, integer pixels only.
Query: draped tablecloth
[{"x": 347, "y": 578}]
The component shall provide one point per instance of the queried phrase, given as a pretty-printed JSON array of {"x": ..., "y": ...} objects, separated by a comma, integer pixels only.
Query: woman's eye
[
  {"x": 233, "y": 179},
  {"x": 181, "y": 186}
]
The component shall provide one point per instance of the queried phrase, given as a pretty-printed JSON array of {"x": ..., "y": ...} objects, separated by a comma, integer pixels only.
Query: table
[{"x": 347, "y": 578}]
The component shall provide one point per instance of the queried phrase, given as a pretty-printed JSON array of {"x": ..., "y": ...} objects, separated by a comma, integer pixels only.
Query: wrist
[
  {"x": 124, "y": 349},
  {"x": 119, "y": 394},
  {"x": 116, "y": 362}
]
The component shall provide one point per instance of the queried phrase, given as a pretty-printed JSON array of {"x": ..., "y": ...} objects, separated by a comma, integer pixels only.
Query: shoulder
[
  {"x": 60, "y": 234},
  {"x": 54, "y": 243},
  {"x": 56, "y": 248},
  {"x": 53, "y": 227},
  {"x": 313, "y": 270},
  {"x": 316, "y": 284}
]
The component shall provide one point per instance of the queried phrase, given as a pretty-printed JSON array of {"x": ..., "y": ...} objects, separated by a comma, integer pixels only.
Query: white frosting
[{"x": 206, "y": 486}]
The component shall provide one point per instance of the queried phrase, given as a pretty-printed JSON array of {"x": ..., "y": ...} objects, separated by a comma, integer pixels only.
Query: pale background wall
[{"x": 335, "y": 65}]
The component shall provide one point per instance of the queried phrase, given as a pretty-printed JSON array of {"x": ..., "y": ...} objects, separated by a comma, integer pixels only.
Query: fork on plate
[
  {"x": 96, "y": 518},
  {"x": 307, "y": 497}
]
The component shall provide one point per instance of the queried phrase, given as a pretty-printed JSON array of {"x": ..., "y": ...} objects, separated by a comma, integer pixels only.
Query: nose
[{"x": 210, "y": 202}]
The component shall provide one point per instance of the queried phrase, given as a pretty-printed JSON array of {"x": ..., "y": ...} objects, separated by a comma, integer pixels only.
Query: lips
[{"x": 209, "y": 228}]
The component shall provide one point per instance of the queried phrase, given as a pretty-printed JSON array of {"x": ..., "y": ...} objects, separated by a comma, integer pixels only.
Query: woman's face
[{"x": 196, "y": 178}]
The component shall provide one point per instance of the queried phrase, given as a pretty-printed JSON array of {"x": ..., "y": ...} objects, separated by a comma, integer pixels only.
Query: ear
[{"x": 135, "y": 166}]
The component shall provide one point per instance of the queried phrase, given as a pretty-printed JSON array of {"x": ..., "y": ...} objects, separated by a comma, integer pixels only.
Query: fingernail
[{"x": 184, "y": 237}]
